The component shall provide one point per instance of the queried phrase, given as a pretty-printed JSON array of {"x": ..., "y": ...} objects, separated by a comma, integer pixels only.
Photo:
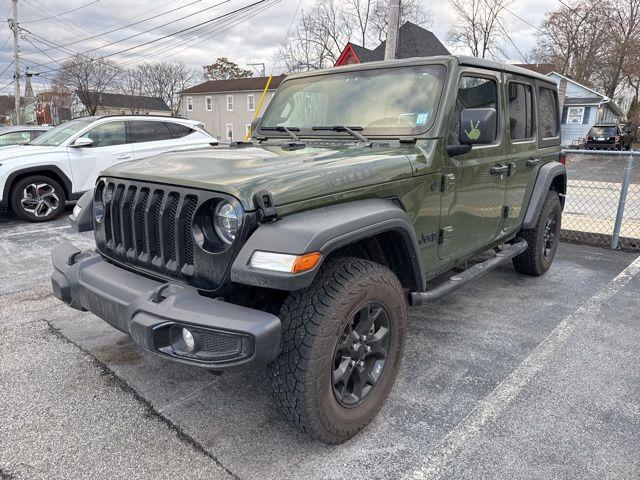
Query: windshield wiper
[
  {"x": 341, "y": 128},
  {"x": 296, "y": 144}
]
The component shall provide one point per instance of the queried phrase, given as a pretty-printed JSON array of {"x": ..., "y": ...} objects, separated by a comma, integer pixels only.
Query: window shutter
[
  {"x": 564, "y": 115},
  {"x": 587, "y": 114}
]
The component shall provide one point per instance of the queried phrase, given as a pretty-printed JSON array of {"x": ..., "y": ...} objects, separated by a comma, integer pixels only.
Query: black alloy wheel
[{"x": 361, "y": 354}]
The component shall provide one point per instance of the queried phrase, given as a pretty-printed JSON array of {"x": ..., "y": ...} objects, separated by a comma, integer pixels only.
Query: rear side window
[
  {"x": 177, "y": 130},
  {"x": 473, "y": 92},
  {"x": 36, "y": 133},
  {"x": 520, "y": 111},
  {"x": 149, "y": 131},
  {"x": 547, "y": 113}
]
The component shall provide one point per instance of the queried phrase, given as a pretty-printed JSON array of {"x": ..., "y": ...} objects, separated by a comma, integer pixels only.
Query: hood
[
  {"x": 17, "y": 151},
  {"x": 290, "y": 176}
]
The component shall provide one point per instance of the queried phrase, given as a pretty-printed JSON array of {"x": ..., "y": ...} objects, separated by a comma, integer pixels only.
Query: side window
[
  {"x": 177, "y": 130},
  {"x": 107, "y": 134},
  {"x": 36, "y": 133},
  {"x": 149, "y": 131},
  {"x": 473, "y": 92},
  {"x": 520, "y": 111},
  {"x": 14, "y": 138},
  {"x": 547, "y": 113}
]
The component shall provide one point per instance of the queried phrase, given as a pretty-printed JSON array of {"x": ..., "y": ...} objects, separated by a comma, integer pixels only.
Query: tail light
[{"x": 562, "y": 158}]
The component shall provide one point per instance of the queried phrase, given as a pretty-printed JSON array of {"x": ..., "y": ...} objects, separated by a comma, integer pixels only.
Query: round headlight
[{"x": 226, "y": 221}]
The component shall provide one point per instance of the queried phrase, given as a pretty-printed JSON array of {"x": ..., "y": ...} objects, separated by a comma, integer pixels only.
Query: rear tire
[
  {"x": 37, "y": 198},
  {"x": 349, "y": 325},
  {"x": 543, "y": 239}
]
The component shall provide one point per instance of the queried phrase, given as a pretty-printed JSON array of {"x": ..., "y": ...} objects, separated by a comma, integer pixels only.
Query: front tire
[
  {"x": 543, "y": 239},
  {"x": 342, "y": 342},
  {"x": 37, "y": 198}
]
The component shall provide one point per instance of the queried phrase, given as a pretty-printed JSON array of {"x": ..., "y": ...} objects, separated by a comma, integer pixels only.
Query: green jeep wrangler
[{"x": 301, "y": 251}]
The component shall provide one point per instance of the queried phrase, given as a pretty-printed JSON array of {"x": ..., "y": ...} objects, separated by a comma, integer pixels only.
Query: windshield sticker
[{"x": 422, "y": 118}]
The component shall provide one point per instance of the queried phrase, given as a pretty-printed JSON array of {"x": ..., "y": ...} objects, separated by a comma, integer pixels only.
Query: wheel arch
[
  {"x": 551, "y": 176},
  {"x": 374, "y": 229},
  {"x": 47, "y": 170}
]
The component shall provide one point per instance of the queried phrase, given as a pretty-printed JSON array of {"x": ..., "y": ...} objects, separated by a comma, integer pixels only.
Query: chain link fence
[{"x": 603, "y": 199}]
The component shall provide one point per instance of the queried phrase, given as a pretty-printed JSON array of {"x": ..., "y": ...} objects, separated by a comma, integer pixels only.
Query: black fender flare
[
  {"x": 546, "y": 176},
  {"x": 325, "y": 230}
]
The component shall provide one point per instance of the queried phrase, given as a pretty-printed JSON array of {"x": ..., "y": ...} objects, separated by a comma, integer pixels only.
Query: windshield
[
  {"x": 56, "y": 136},
  {"x": 599, "y": 131},
  {"x": 389, "y": 101}
]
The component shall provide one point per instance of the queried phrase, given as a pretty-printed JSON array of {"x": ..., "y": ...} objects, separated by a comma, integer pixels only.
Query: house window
[
  {"x": 189, "y": 104},
  {"x": 229, "y": 103},
  {"x": 251, "y": 102},
  {"x": 208, "y": 104},
  {"x": 230, "y": 131},
  {"x": 247, "y": 129},
  {"x": 575, "y": 115}
]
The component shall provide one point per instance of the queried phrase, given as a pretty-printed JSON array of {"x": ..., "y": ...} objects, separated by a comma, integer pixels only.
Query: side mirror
[
  {"x": 254, "y": 125},
  {"x": 478, "y": 126},
  {"x": 82, "y": 142}
]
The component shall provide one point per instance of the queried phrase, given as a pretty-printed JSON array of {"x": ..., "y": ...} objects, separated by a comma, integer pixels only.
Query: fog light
[{"x": 188, "y": 339}]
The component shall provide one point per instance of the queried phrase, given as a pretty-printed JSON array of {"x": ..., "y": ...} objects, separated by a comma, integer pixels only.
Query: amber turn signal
[{"x": 306, "y": 262}]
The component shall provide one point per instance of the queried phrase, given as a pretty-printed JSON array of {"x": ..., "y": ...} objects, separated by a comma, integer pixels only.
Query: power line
[
  {"x": 63, "y": 13},
  {"x": 206, "y": 22},
  {"x": 131, "y": 24}
]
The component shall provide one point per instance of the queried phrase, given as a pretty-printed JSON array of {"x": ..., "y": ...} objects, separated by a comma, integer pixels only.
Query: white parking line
[
  {"x": 29, "y": 232},
  {"x": 492, "y": 405}
]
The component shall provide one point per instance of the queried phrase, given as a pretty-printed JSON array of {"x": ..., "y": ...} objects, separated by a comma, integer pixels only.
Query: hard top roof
[{"x": 460, "y": 59}]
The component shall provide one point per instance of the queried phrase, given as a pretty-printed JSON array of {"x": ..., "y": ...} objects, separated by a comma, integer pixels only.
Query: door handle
[
  {"x": 532, "y": 162},
  {"x": 123, "y": 157},
  {"x": 499, "y": 169}
]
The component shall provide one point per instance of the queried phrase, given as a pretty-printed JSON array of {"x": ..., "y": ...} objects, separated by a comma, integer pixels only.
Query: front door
[
  {"x": 521, "y": 147},
  {"x": 473, "y": 184},
  {"x": 109, "y": 148}
]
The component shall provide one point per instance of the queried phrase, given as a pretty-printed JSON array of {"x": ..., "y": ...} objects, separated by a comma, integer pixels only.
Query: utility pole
[
  {"x": 391, "y": 45},
  {"x": 16, "y": 59}
]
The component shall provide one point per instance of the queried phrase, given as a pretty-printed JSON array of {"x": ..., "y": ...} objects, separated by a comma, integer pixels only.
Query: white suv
[{"x": 38, "y": 178}]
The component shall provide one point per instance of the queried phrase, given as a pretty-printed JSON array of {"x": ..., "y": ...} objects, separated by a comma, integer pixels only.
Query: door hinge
[
  {"x": 448, "y": 181},
  {"x": 446, "y": 233}
]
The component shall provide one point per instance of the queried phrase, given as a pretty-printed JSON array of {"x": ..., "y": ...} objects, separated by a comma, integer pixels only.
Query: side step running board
[{"x": 470, "y": 274}]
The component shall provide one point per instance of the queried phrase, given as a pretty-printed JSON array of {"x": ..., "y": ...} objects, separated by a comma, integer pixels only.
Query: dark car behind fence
[{"x": 603, "y": 199}]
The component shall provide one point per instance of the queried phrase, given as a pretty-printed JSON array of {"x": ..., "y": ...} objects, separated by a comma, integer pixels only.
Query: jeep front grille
[{"x": 150, "y": 226}]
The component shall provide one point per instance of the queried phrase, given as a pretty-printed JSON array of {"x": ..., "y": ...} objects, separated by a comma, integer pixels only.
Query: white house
[{"x": 584, "y": 107}]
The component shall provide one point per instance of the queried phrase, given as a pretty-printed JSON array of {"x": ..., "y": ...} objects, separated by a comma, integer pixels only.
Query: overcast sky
[{"x": 249, "y": 36}]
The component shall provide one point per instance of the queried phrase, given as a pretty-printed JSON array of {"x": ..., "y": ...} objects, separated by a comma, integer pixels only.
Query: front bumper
[{"x": 154, "y": 313}]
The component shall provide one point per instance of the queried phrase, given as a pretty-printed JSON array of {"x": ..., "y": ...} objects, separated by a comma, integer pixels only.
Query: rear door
[
  {"x": 109, "y": 148},
  {"x": 473, "y": 190},
  {"x": 150, "y": 137},
  {"x": 521, "y": 147}
]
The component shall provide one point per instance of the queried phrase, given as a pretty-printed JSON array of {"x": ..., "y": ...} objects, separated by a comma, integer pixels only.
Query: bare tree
[
  {"x": 478, "y": 28},
  {"x": 89, "y": 78},
  {"x": 166, "y": 80},
  {"x": 324, "y": 31},
  {"x": 572, "y": 38},
  {"x": 132, "y": 84}
]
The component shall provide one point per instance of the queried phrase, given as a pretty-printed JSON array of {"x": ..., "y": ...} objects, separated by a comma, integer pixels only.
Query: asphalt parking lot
[{"x": 511, "y": 377}]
